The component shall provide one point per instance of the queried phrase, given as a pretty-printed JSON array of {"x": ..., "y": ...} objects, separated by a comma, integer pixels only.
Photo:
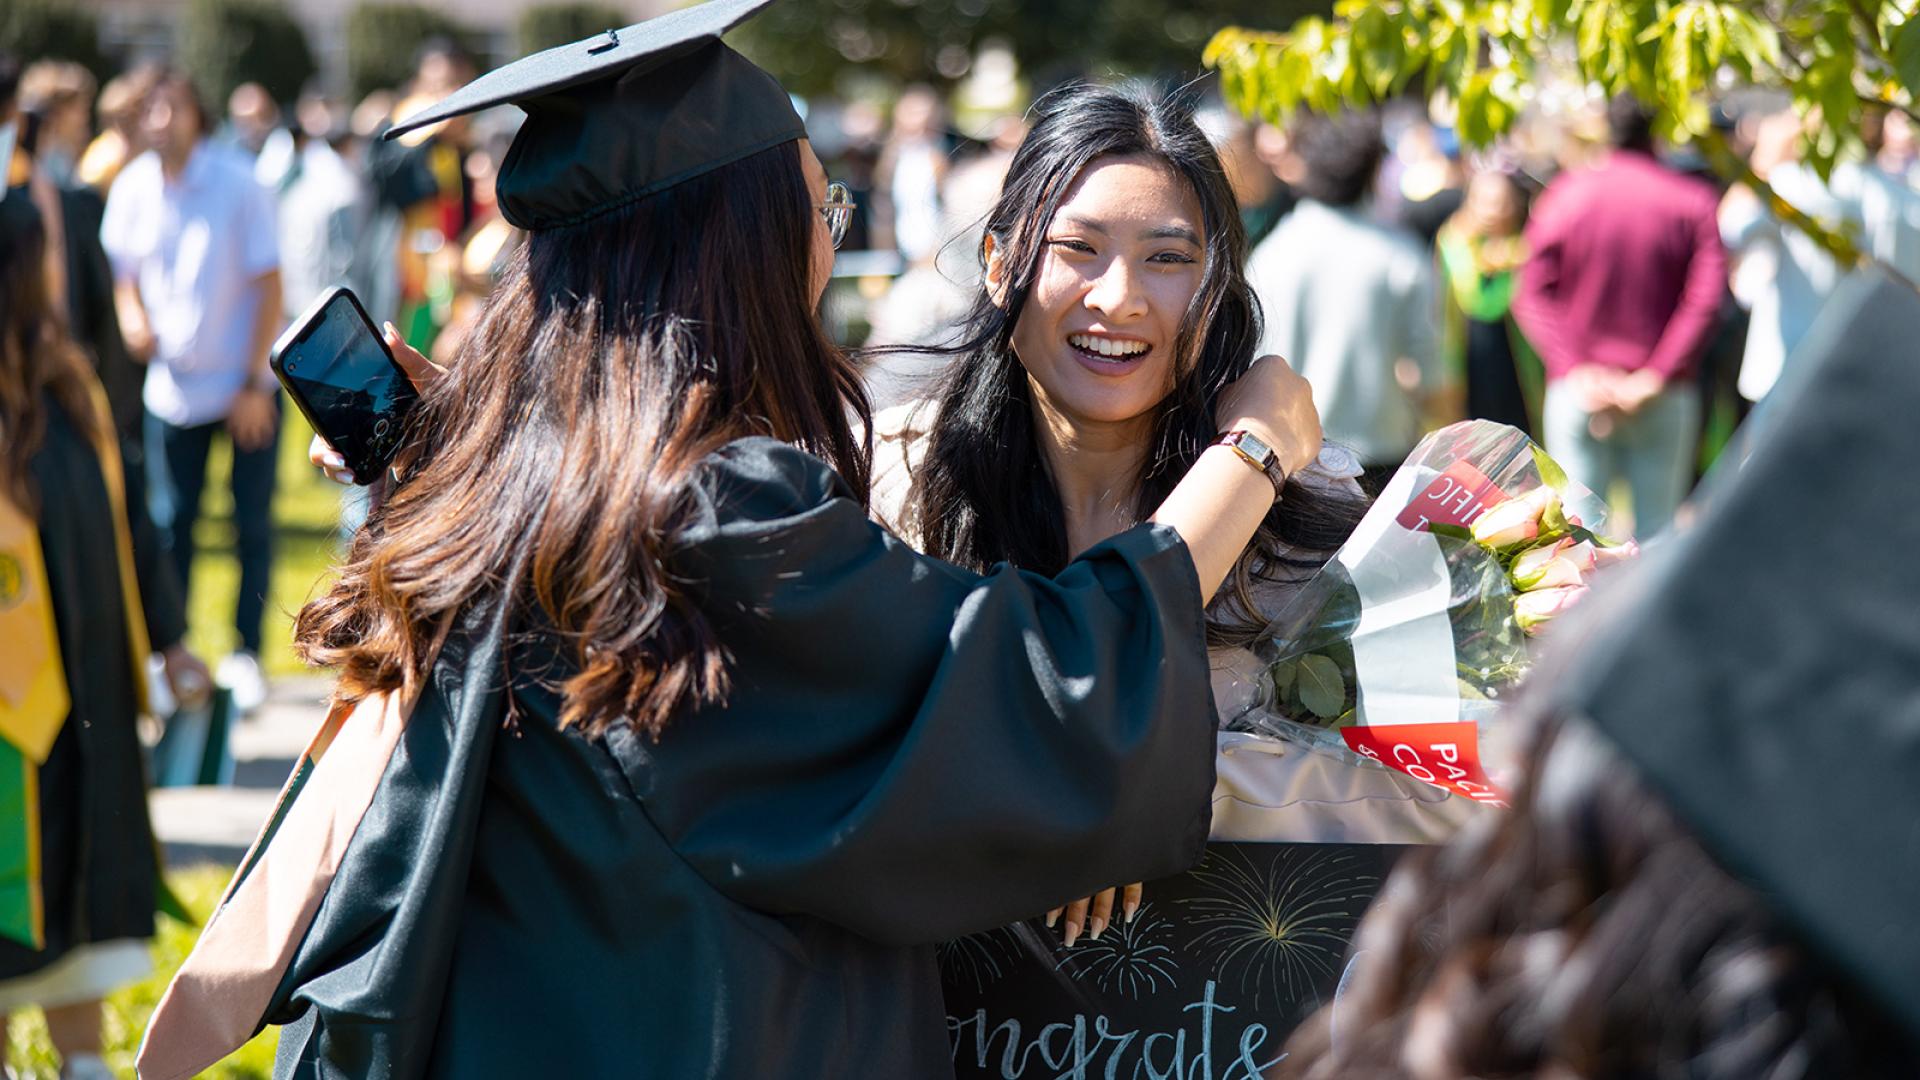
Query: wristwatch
[{"x": 1257, "y": 454}]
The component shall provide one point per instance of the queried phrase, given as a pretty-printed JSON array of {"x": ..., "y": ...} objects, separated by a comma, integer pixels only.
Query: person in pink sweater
[{"x": 1620, "y": 295}]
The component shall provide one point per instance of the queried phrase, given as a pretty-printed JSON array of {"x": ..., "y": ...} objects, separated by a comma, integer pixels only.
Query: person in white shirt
[
  {"x": 915, "y": 165},
  {"x": 1783, "y": 276},
  {"x": 197, "y": 284},
  {"x": 1880, "y": 194},
  {"x": 1349, "y": 301},
  {"x": 322, "y": 206}
]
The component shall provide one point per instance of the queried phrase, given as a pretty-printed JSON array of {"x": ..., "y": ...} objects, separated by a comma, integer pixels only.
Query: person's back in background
[
  {"x": 1620, "y": 293},
  {"x": 1348, "y": 301}
]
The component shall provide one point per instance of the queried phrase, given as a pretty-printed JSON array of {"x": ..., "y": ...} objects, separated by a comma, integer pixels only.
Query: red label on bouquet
[
  {"x": 1444, "y": 755},
  {"x": 1455, "y": 497}
]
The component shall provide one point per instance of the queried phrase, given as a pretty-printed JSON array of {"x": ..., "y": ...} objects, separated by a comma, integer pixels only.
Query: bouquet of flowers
[{"x": 1399, "y": 651}]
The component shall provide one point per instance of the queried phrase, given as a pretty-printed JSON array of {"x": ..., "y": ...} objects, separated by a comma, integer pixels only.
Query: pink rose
[
  {"x": 1607, "y": 556},
  {"x": 1552, "y": 566},
  {"x": 1508, "y": 524},
  {"x": 1533, "y": 609}
]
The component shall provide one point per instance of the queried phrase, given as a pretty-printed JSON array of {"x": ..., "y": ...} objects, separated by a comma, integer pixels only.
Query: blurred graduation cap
[
  {"x": 626, "y": 113},
  {"x": 1763, "y": 670}
]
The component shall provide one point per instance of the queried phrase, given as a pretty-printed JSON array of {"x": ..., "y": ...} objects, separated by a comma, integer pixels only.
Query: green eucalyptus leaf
[
  {"x": 1551, "y": 474},
  {"x": 1282, "y": 673},
  {"x": 1377, "y": 46},
  {"x": 1473, "y": 125},
  {"x": 1905, "y": 48},
  {"x": 1676, "y": 54},
  {"x": 1743, "y": 37},
  {"x": 1322, "y": 689}
]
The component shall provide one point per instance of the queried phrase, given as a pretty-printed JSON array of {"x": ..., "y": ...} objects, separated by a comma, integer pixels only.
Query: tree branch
[
  {"x": 1912, "y": 113},
  {"x": 1873, "y": 29},
  {"x": 1730, "y": 166}
]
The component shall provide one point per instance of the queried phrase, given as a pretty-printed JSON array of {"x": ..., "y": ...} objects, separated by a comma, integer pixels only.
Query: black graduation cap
[
  {"x": 1763, "y": 668},
  {"x": 625, "y": 114}
]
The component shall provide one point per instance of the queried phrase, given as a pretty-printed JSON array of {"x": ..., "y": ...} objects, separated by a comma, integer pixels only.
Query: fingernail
[
  {"x": 1053, "y": 917},
  {"x": 346, "y": 476},
  {"x": 391, "y": 332},
  {"x": 1073, "y": 933},
  {"x": 333, "y": 460},
  {"x": 1098, "y": 925},
  {"x": 1132, "y": 908}
]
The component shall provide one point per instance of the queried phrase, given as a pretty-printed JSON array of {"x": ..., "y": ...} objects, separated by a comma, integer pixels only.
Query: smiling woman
[
  {"x": 1120, "y": 266},
  {"x": 1116, "y": 310}
]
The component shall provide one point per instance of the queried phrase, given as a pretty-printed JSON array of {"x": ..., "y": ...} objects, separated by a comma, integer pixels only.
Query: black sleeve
[{"x": 912, "y": 751}]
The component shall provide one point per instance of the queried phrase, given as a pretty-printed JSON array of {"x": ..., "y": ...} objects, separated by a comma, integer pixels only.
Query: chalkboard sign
[{"x": 1216, "y": 969}]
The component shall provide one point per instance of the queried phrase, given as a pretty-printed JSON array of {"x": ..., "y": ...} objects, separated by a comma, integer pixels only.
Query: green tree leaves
[
  {"x": 1835, "y": 58},
  {"x": 383, "y": 35},
  {"x": 225, "y": 43},
  {"x": 54, "y": 30},
  {"x": 1832, "y": 56}
]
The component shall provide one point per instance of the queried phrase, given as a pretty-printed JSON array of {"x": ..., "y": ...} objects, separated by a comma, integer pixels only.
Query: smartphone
[{"x": 341, "y": 376}]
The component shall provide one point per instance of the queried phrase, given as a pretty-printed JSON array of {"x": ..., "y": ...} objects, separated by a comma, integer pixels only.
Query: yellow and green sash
[{"x": 33, "y": 686}]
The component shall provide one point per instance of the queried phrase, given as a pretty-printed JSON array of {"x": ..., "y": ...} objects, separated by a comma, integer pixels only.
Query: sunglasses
[{"x": 838, "y": 210}]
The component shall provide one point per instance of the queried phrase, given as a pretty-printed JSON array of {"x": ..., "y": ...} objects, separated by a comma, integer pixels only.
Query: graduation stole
[
  {"x": 33, "y": 687},
  {"x": 221, "y": 993}
]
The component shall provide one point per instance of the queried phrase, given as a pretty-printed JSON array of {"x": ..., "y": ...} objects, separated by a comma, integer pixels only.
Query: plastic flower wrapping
[{"x": 1400, "y": 651}]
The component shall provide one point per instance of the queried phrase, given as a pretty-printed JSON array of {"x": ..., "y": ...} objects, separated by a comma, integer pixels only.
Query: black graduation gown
[
  {"x": 97, "y": 851},
  {"x": 910, "y": 752},
  {"x": 93, "y": 320}
]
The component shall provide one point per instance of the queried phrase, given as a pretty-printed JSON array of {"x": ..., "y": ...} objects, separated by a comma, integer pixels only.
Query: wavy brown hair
[
  {"x": 551, "y": 468},
  {"x": 37, "y": 359}
]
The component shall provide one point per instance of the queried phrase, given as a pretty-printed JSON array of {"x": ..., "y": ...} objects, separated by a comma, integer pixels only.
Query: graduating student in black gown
[
  {"x": 68, "y": 527},
  {"x": 698, "y": 762}
]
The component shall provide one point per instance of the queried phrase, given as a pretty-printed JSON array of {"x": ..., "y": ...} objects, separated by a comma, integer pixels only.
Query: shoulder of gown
[{"x": 1046, "y": 736}]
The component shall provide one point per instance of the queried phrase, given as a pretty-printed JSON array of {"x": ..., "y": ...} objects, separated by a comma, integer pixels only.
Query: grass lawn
[
  {"x": 306, "y": 512},
  {"x": 31, "y": 1055}
]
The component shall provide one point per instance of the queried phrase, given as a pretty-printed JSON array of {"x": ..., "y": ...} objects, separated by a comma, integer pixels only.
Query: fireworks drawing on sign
[
  {"x": 1130, "y": 958},
  {"x": 978, "y": 960},
  {"x": 1281, "y": 930}
]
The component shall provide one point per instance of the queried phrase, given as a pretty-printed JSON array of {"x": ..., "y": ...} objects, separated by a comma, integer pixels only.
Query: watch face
[{"x": 1252, "y": 445}]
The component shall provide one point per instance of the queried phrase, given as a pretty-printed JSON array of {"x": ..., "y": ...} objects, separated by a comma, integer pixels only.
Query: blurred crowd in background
[
  {"x": 1609, "y": 295},
  {"x": 1619, "y": 299}
]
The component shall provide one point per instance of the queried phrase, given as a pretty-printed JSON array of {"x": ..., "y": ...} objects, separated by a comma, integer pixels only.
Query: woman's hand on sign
[
  {"x": 421, "y": 372},
  {"x": 1095, "y": 913}
]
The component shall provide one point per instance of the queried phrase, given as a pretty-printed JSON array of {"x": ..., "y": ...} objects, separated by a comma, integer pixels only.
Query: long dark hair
[
  {"x": 37, "y": 359},
  {"x": 614, "y": 355},
  {"x": 983, "y": 494},
  {"x": 1586, "y": 933}
]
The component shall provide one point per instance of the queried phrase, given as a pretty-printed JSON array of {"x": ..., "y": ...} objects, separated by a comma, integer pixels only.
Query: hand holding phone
[
  {"x": 347, "y": 383},
  {"x": 421, "y": 371}
]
